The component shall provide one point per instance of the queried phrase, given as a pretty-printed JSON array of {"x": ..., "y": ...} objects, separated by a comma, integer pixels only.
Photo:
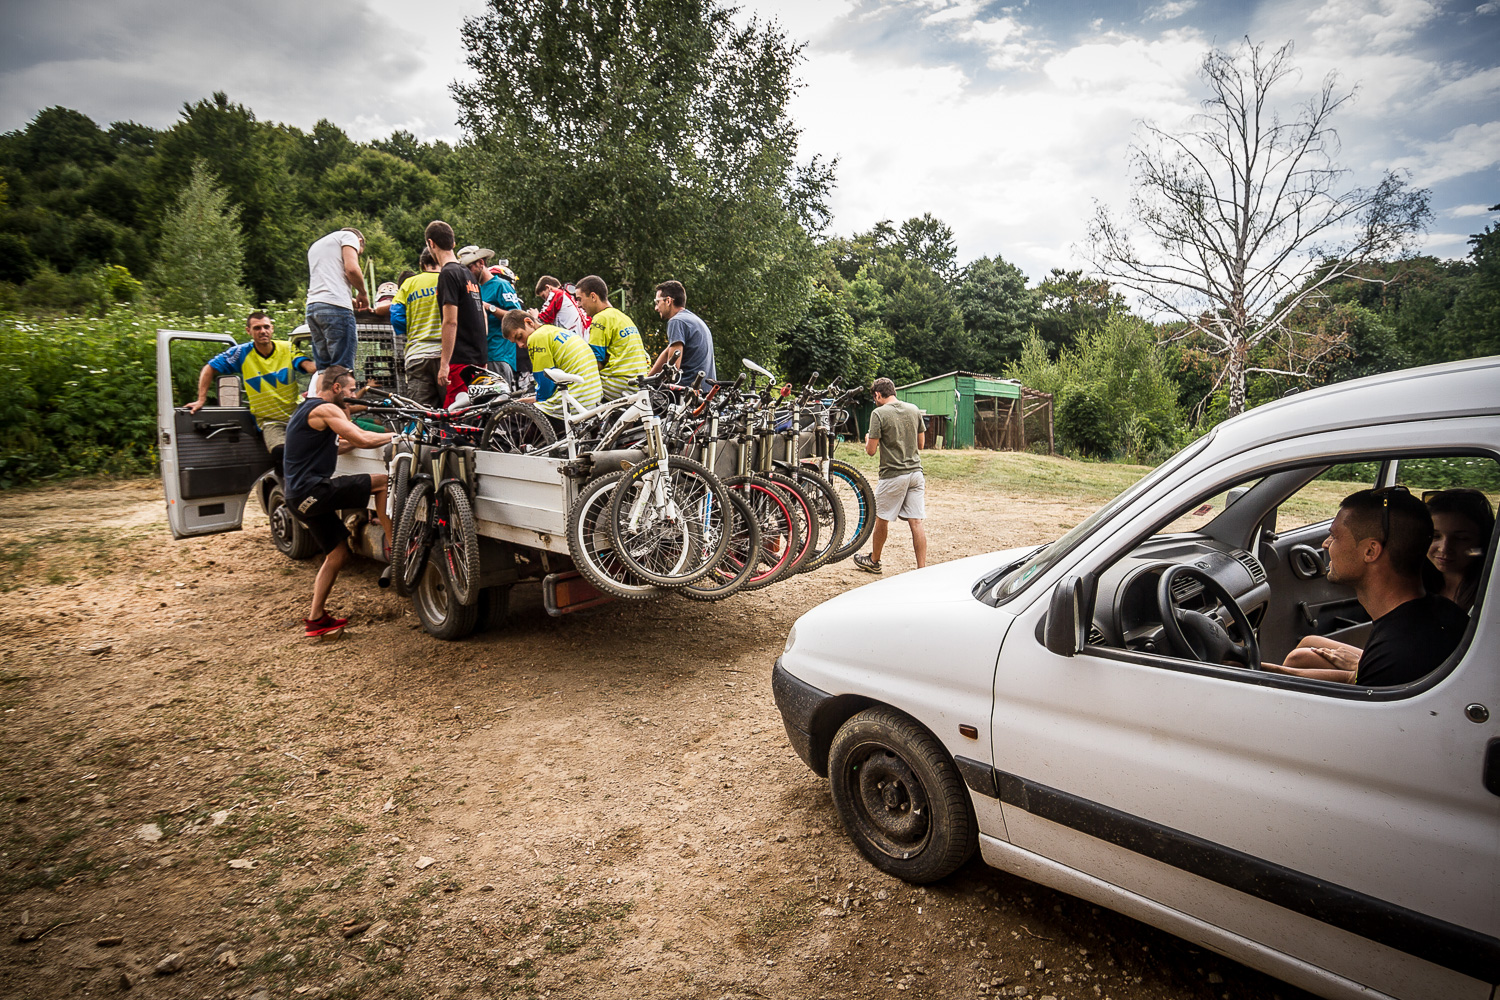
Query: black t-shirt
[
  {"x": 1410, "y": 640},
  {"x": 456, "y": 287}
]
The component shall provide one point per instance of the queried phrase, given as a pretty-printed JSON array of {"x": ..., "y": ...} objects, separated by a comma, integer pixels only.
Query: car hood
[{"x": 940, "y": 584}]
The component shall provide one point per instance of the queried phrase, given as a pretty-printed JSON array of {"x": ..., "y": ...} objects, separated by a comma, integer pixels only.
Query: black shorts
[{"x": 319, "y": 509}]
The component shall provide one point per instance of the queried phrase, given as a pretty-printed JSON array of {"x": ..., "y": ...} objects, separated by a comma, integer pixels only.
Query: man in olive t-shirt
[{"x": 896, "y": 432}]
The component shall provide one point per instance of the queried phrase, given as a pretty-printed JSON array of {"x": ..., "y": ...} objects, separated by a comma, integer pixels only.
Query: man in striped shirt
[{"x": 614, "y": 338}]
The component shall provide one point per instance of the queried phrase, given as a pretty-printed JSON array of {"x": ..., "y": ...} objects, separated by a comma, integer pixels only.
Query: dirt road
[{"x": 603, "y": 805}]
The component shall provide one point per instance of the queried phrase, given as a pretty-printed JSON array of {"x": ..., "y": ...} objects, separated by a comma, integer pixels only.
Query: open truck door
[{"x": 211, "y": 459}]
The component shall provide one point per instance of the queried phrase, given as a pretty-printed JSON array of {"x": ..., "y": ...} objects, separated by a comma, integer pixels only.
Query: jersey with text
[
  {"x": 553, "y": 347},
  {"x": 424, "y": 317},
  {"x": 617, "y": 345}
]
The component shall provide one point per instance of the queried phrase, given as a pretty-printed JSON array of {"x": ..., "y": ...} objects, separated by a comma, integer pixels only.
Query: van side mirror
[
  {"x": 1069, "y": 614},
  {"x": 1233, "y": 495}
]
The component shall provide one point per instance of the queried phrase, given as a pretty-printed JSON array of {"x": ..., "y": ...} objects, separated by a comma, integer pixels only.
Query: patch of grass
[
  {"x": 1016, "y": 473},
  {"x": 777, "y": 918},
  {"x": 574, "y": 927}
]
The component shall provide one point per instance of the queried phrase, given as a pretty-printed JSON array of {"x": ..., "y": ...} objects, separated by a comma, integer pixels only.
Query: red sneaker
[{"x": 324, "y": 625}]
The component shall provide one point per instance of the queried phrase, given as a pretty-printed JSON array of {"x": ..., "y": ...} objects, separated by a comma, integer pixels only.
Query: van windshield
[{"x": 1042, "y": 559}]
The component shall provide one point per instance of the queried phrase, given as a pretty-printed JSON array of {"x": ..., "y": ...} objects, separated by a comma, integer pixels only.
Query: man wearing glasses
[{"x": 1377, "y": 545}]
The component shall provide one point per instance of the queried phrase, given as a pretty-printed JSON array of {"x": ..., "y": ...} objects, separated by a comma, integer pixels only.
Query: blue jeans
[{"x": 334, "y": 338}]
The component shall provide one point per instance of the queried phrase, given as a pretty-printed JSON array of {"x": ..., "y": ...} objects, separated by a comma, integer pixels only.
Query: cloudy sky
[{"x": 1006, "y": 119}]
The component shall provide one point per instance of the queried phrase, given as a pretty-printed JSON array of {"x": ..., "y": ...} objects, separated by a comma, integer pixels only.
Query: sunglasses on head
[{"x": 1385, "y": 493}]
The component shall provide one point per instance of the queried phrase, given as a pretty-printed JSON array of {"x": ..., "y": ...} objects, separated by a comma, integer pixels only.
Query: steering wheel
[{"x": 1197, "y": 636}]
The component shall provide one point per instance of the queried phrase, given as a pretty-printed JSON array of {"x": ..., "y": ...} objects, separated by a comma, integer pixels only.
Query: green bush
[
  {"x": 81, "y": 390},
  {"x": 1085, "y": 424},
  {"x": 1113, "y": 392}
]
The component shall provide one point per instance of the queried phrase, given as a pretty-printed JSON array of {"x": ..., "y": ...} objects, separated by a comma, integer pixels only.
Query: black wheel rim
[
  {"x": 890, "y": 804},
  {"x": 282, "y": 526}
]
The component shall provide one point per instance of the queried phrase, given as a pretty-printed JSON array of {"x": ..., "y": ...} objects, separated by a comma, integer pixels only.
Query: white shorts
[{"x": 901, "y": 496}]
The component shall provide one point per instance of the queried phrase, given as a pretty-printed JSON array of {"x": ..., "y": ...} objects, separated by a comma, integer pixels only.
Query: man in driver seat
[{"x": 1377, "y": 545}]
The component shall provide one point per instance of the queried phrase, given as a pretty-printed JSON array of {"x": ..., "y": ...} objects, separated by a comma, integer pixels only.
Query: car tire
[
  {"x": 290, "y": 536},
  {"x": 900, "y": 797}
]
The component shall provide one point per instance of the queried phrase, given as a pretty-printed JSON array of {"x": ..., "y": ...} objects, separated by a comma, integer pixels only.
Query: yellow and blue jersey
[
  {"x": 423, "y": 317},
  {"x": 622, "y": 356},
  {"x": 270, "y": 382},
  {"x": 553, "y": 347}
]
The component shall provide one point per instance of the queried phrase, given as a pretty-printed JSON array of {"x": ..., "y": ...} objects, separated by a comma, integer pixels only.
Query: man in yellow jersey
[
  {"x": 268, "y": 368},
  {"x": 553, "y": 347},
  {"x": 614, "y": 338},
  {"x": 417, "y": 305}
]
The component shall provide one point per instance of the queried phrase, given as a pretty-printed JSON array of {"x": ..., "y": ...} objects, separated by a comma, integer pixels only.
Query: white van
[{"x": 1343, "y": 838}]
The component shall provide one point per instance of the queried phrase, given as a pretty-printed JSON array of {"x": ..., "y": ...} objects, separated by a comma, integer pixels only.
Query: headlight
[{"x": 791, "y": 640}]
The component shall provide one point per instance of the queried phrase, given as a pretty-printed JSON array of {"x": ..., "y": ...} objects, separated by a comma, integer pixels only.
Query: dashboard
[{"x": 1126, "y": 613}]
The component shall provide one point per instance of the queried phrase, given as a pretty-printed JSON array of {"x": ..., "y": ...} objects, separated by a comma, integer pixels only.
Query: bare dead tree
[{"x": 1241, "y": 218}]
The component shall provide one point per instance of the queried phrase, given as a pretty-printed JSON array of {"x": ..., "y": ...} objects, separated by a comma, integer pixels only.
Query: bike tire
[
  {"x": 858, "y": 498},
  {"x": 517, "y": 428},
  {"x": 740, "y": 560},
  {"x": 830, "y": 512},
  {"x": 460, "y": 543},
  {"x": 400, "y": 487},
  {"x": 663, "y": 543},
  {"x": 779, "y": 538},
  {"x": 592, "y": 545},
  {"x": 805, "y": 514},
  {"x": 413, "y": 538}
]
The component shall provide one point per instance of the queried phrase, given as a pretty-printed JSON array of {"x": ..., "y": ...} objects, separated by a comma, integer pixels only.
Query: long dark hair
[{"x": 1474, "y": 505}]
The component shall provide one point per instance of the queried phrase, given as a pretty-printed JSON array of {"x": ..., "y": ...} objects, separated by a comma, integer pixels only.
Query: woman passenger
[{"x": 1462, "y": 523}]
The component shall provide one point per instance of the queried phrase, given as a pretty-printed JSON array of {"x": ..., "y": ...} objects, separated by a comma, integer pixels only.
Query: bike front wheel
[
  {"x": 858, "y": 499},
  {"x": 741, "y": 559},
  {"x": 413, "y": 538},
  {"x": 591, "y": 543},
  {"x": 779, "y": 539},
  {"x": 517, "y": 428},
  {"x": 460, "y": 541},
  {"x": 668, "y": 521}
]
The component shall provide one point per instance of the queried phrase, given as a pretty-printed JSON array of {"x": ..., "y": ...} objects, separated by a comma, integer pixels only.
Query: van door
[
  {"x": 211, "y": 459},
  {"x": 1350, "y": 828}
]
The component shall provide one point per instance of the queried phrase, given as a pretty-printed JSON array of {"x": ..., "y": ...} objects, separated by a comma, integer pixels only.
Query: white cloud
[
  {"x": 1464, "y": 151},
  {"x": 1467, "y": 211},
  {"x": 1488, "y": 8},
  {"x": 1170, "y": 11},
  {"x": 1378, "y": 24}
]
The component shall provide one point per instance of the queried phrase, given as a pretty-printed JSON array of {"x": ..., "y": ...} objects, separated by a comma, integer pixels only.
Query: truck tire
[
  {"x": 288, "y": 533},
  {"x": 442, "y": 616},
  {"x": 494, "y": 608}
]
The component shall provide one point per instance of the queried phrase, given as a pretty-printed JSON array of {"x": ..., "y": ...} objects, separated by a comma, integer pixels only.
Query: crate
[{"x": 378, "y": 357}]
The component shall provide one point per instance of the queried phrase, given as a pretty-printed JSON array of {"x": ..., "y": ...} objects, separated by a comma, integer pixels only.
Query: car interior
[{"x": 1248, "y": 562}]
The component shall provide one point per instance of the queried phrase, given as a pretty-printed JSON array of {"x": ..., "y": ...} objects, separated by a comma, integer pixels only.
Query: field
[{"x": 602, "y": 805}]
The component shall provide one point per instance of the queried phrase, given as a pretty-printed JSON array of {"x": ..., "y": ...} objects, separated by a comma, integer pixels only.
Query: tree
[
  {"x": 202, "y": 252},
  {"x": 644, "y": 141},
  {"x": 930, "y": 240},
  {"x": 1072, "y": 305},
  {"x": 998, "y": 310},
  {"x": 1472, "y": 328},
  {"x": 1235, "y": 214}
]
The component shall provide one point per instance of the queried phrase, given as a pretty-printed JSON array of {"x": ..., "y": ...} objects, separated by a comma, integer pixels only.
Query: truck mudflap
[{"x": 566, "y": 592}]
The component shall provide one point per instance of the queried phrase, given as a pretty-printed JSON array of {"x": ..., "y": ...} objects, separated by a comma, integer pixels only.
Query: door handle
[
  {"x": 1492, "y": 767},
  {"x": 1307, "y": 562}
]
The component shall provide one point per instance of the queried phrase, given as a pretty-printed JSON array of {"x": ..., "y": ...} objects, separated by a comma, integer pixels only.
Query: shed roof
[{"x": 953, "y": 374}]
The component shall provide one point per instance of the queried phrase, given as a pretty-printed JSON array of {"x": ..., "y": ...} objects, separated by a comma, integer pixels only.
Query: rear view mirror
[{"x": 1069, "y": 615}]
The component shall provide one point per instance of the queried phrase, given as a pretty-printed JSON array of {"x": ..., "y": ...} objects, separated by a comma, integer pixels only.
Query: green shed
[{"x": 970, "y": 410}]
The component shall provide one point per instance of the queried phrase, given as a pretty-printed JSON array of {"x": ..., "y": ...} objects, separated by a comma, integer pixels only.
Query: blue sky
[{"x": 1008, "y": 120}]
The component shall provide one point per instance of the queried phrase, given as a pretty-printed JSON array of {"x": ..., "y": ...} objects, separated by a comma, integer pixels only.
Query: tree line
[{"x": 649, "y": 141}]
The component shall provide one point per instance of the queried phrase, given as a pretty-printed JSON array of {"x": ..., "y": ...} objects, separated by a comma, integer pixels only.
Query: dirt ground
[{"x": 599, "y": 805}]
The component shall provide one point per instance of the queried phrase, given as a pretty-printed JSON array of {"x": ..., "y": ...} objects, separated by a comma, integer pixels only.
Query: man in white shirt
[{"x": 333, "y": 269}]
